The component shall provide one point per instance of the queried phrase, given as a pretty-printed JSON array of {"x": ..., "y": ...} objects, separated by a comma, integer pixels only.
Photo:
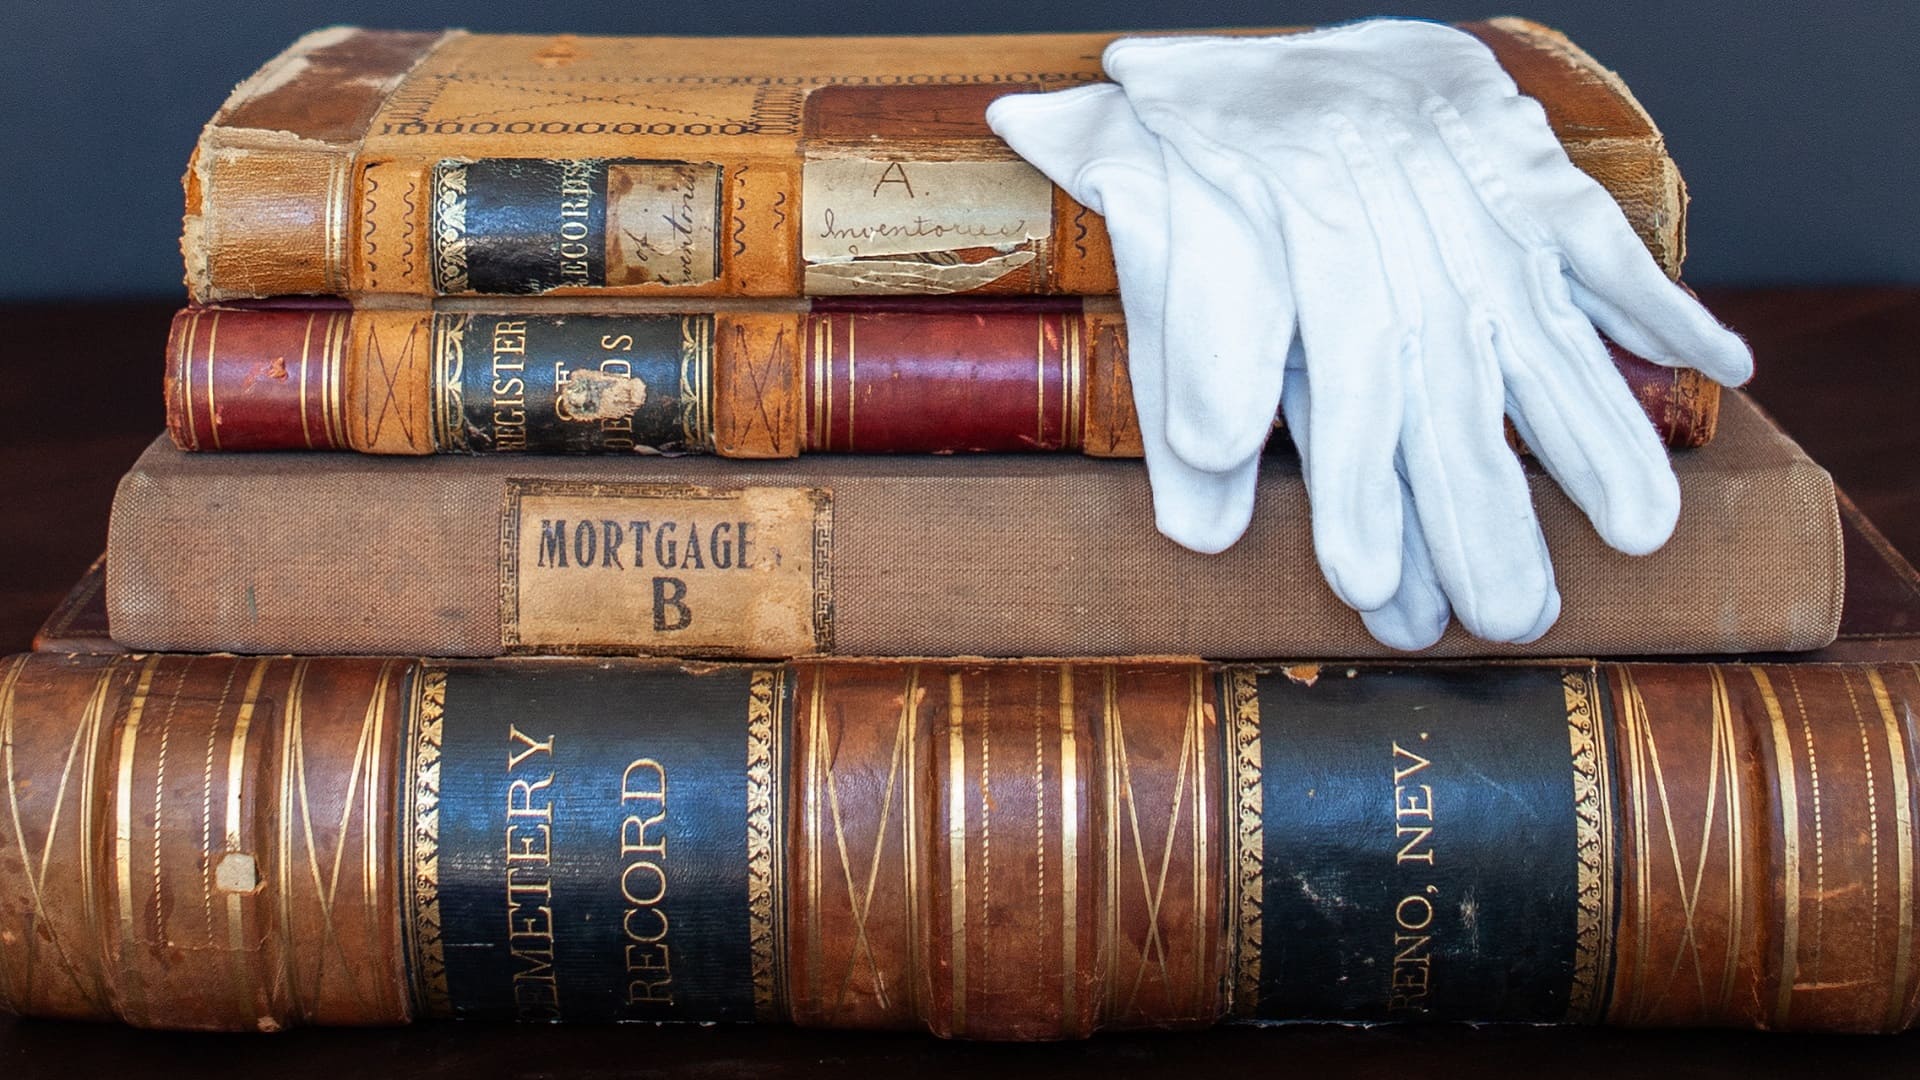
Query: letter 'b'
[{"x": 670, "y": 592}]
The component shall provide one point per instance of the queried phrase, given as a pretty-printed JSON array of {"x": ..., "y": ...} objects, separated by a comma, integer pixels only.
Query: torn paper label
[{"x": 909, "y": 277}]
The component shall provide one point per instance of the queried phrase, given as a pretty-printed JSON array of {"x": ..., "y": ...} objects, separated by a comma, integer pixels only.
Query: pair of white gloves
[{"x": 1369, "y": 228}]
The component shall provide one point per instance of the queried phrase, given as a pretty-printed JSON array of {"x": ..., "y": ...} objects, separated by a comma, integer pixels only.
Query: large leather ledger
[
  {"x": 986, "y": 849},
  {"x": 995, "y": 555},
  {"x": 767, "y": 379},
  {"x": 389, "y": 164}
]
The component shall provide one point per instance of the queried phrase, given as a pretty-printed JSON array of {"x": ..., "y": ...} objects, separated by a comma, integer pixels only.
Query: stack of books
[{"x": 701, "y": 578}]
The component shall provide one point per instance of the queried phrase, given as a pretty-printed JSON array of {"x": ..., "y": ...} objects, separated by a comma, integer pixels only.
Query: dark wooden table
[{"x": 1839, "y": 368}]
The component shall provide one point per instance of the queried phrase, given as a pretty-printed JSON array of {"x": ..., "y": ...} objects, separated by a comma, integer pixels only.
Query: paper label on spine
[
  {"x": 860, "y": 208},
  {"x": 667, "y": 569}
]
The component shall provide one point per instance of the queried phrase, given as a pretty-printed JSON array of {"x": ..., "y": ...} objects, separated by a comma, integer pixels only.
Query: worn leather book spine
[
  {"x": 1031, "y": 849},
  {"x": 906, "y": 555},
  {"x": 382, "y": 164},
  {"x": 861, "y": 376}
]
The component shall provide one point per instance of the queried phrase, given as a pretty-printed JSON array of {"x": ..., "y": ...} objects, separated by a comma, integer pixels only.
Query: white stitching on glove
[{"x": 1385, "y": 186}]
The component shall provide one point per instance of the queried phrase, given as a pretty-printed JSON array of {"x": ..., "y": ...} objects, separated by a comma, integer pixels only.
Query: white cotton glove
[
  {"x": 1447, "y": 263},
  {"x": 1087, "y": 141}
]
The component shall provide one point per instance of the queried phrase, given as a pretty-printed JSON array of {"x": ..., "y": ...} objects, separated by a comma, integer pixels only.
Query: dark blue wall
[{"x": 1797, "y": 126}]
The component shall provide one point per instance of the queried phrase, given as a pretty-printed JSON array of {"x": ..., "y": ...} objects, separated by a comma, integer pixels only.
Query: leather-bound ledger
[
  {"x": 993, "y": 555},
  {"x": 1016, "y": 849},
  {"x": 767, "y": 380},
  {"x": 392, "y": 164}
]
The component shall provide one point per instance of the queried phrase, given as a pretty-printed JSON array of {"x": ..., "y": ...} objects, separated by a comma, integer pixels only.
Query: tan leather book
[
  {"x": 393, "y": 165},
  {"x": 983, "y": 849},
  {"x": 993, "y": 555}
]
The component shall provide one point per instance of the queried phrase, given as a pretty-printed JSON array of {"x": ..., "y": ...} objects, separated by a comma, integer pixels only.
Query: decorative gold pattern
[
  {"x": 323, "y": 871},
  {"x": 1720, "y": 824},
  {"x": 823, "y": 612},
  {"x": 84, "y": 746},
  {"x": 1249, "y": 841},
  {"x": 450, "y": 228},
  {"x": 1593, "y": 848},
  {"x": 765, "y": 692},
  {"x": 1156, "y": 953},
  {"x": 696, "y": 381},
  {"x": 426, "y": 955},
  {"x": 449, "y": 374}
]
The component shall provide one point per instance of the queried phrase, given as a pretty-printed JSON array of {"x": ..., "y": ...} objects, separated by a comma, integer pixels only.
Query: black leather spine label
[
  {"x": 593, "y": 842},
  {"x": 513, "y": 226},
  {"x": 1419, "y": 844},
  {"x": 573, "y": 384}
]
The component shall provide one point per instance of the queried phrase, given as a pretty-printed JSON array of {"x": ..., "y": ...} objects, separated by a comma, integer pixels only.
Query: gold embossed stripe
[
  {"x": 1069, "y": 852},
  {"x": 185, "y": 353},
  {"x": 1593, "y": 847},
  {"x": 766, "y": 694},
  {"x": 1789, "y": 786},
  {"x": 448, "y": 401},
  {"x": 957, "y": 848},
  {"x": 1249, "y": 840},
  {"x": 333, "y": 373},
  {"x": 426, "y": 953},
  {"x": 1899, "y": 987},
  {"x": 340, "y": 173},
  {"x": 696, "y": 381},
  {"x": 82, "y": 747}
]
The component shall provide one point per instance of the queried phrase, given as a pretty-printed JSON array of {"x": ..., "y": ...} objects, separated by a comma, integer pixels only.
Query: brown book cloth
[
  {"x": 1879, "y": 617},
  {"x": 995, "y": 556}
]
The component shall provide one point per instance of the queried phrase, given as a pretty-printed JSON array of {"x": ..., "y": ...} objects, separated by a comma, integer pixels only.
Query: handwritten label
[
  {"x": 667, "y": 569},
  {"x": 663, "y": 220},
  {"x": 858, "y": 207}
]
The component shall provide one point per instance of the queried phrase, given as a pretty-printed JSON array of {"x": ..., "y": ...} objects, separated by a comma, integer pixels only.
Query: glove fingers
[
  {"x": 1073, "y": 136},
  {"x": 1417, "y": 615},
  {"x": 1472, "y": 495},
  {"x": 1199, "y": 510},
  {"x": 1560, "y": 386},
  {"x": 1615, "y": 280},
  {"x": 1355, "y": 326},
  {"x": 1089, "y": 142},
  {"x": 1569, "y": 403},
  {"x": 1229, "y": 320}
]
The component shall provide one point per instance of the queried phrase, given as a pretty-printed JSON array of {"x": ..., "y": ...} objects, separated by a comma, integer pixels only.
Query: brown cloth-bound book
[
  {"x": 1001, "y": 555},
  {"x": 986, "y": 849},
  {"x": 372, "y": 163},
  {"x": 766, "y": 379},
  {"x": 1879, "y": 617}
]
